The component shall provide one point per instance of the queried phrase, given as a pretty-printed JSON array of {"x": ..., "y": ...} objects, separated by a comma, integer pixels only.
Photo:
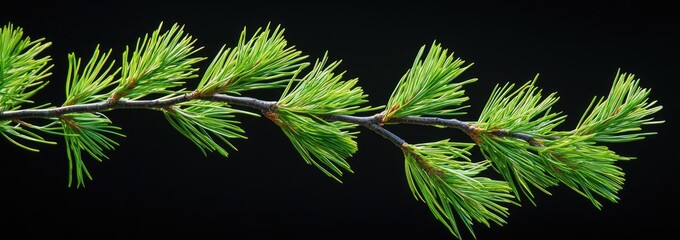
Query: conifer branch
[{"x": 319, "y": 112}]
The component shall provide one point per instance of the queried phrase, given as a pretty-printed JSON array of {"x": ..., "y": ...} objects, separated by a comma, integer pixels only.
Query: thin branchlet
[
  {"x": 373, "y": 122},
  {"x": 135, "y": 104}
]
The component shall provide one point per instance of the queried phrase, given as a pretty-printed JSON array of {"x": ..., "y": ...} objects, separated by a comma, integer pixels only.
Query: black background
[{"x": 157, "y": 184}]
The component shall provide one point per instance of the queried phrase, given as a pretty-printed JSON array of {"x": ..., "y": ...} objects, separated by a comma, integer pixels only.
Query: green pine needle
[
  {"x": 159, "y": 63},
  {"x": 589, "y": 169},
  {"x": 584, "y": 167},
  {"x": 83, "y": 87},
  {"x": 322, "y": 144},
  {"x": 441, "y": 175},
  {"x": 323, "y": 92},
  {"x": 261, "y": 62},
  {"x": 517, "y": 164},
  {"x": 428, "y": 88},
  {"x": 86, "y": 132},
  {"x": 200, "y": 120},
  {"x": 619, "y": 117},
  {"x": 22, "y": 72},
  {"x": 523, "y": 110},
  {"x": 326, "y": 145},
  {"x": 572, "y": 158},
  {"x": 19, "y": 131}
]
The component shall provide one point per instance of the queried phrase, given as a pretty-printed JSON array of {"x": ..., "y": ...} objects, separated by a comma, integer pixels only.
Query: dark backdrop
[{"x": 157, "y": 184}]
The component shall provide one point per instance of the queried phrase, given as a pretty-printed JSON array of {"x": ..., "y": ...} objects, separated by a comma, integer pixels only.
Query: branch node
[
  {"x": 473, "y": 132},
  {"x": 193, "y": 95},
  {"x": 270, "y": 113},
  {"x": 71, "y": 124},
  {"x": 113, "y": 99}
]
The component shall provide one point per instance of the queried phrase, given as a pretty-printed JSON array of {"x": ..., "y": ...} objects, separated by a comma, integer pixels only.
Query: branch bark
[{"x": 374, "y": 123}]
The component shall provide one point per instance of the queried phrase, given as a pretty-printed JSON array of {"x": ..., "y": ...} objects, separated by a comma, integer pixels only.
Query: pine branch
[{"x": 318, "y": 112}]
